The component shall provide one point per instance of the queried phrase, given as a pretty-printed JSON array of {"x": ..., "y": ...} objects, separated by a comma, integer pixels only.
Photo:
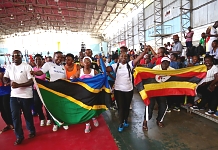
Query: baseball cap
[{"x": 165, "y": 58}]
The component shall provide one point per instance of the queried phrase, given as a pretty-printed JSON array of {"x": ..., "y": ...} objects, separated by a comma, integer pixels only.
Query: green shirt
[{"x": 202, "y": 42}]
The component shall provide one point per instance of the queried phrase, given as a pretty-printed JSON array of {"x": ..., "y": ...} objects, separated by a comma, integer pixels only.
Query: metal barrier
[{"x": 201, "y": 113}]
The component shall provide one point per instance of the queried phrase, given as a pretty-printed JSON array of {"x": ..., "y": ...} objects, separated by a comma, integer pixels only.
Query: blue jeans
[
  {"x": 18, "y": 104},
  {"x": 188, "y": 44}
]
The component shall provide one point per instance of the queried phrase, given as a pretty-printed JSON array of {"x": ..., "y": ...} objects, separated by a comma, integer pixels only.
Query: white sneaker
[
  {"x": 88, "y": 128},
  {"x": 55, "y": 128},
  {"x": 95, "y": 122},
  {"x": 130, "y": 107},
  {"x": 48, "y": 123},
  {"x": 66, "y": 127},
  {"x": 42, "y": 123}
]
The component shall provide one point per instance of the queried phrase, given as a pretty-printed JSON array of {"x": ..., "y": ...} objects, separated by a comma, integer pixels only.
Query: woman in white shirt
[
  {"x": 123, "y": 87},
  {"x": 87, "y": 72},
  {"x": 56, "y": 71}
]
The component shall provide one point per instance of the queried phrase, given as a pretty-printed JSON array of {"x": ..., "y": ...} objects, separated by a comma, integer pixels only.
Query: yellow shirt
[{"x": 158, "y": 67}]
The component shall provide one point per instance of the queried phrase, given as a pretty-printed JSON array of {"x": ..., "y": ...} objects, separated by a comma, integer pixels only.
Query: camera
[{"x": 83, "y": 47}]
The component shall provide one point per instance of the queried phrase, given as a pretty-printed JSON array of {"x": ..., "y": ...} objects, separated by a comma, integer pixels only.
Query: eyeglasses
[{"x": 16, "y": 55}]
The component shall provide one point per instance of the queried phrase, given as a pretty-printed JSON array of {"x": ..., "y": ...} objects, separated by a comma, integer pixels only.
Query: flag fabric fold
[
  {"x": 153, "y": 83},
  {"x": 76, "y": 101}
]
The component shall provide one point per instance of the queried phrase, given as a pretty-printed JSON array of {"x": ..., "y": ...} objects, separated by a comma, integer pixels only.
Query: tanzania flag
[
  {"x": 153, "y": 83},
  {"x": 75, "y": 102}
]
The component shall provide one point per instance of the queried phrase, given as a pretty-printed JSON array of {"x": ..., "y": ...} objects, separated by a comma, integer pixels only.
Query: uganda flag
[
  {"x": 72, "y": 102},
  {"x": 154, "y": 83}
]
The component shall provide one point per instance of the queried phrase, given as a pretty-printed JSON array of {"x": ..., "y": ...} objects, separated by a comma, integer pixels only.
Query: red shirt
[
  {"x": 158, "y": 61},
  {"x": 142, "y": 61}
]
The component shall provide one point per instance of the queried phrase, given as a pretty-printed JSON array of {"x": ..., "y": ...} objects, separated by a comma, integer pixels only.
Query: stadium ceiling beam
[
  {"x": 107, "y": 15},
  {"x": 123, "y": 7},
  {"x": 47, "y": 5},
  {"x": 101, "y": 13}
]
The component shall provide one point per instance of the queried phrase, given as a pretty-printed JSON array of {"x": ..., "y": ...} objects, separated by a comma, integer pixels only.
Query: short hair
[
  {"x": 114, "y": 56},
  {"x": 196, "y": 56},
  {"x": 215, "y": 41},
  {"x": 58, "y": 52},
  {"x": 17, "y": 51},
  {"x": 38, "y": 55},
  {"x": 70, "y": 55},
  {"x": 208, "y": 57},
  {"x": 175, "y": 55},
  {"x": 124, "y": 47},
  {"x": 163, "y": 49}
]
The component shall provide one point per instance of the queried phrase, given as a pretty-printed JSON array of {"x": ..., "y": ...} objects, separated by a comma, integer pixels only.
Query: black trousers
[
  {"x": 208, "y": 97},
  {"x": 38, "y": 107},
  {"x": 123, "y": 103},
  {"x": 111, "y": 83},
  {"x": 162, "y": 107},
  {"x": 174, "y": 100},
  {"x": 5, "y": 109}
]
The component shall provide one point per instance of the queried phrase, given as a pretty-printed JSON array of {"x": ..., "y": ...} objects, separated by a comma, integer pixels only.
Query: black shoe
[
  {"x": 18, "y": 141},
  {"x": 32, "y": 135}
]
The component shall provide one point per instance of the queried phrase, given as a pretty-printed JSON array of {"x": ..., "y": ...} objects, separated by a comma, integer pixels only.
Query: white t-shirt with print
[
  {"x": 20, "y": 74},
  {"x": 123, "y": 82},
  {"x": 56, "y": 71}
]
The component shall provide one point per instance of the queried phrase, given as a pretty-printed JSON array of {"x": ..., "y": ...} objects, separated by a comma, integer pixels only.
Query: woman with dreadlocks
[{"x": 123, "y": 87}]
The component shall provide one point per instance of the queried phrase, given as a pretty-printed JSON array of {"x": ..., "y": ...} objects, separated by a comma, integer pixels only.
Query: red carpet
[{"x": 72, "y": 139}]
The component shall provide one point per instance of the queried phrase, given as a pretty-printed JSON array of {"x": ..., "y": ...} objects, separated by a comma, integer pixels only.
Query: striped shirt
[{"x": 189, "y": 36}]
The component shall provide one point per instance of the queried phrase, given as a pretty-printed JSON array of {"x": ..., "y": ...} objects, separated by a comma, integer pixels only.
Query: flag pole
[
  {"x": 146, "y": 112},
  {"x": 40, "y": 96}
]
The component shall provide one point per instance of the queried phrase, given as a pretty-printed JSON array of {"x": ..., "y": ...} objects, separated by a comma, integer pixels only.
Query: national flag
[
  {"x": 154, "y": 83},
  {"x": 78, "y": 101}
]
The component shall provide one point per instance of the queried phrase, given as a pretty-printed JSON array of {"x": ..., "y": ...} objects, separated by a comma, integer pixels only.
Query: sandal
[
  {"x": 144, "y": 126},
  {"x": 5, "y": 129}
]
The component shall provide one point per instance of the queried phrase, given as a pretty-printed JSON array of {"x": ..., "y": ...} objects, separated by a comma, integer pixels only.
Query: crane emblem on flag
[{"x": 161, "y": 78}]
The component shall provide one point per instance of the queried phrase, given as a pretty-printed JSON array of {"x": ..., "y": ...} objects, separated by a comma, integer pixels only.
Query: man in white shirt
[
  {"x": 19, "y": 75},
  {"x": 212, "y": 35},
  {"x": 177, "y": 47}
]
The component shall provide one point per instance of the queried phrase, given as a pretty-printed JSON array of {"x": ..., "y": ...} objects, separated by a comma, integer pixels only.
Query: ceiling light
[
  {"x": 63, "y": 19},
  {"x": 38, "y": 16},
  {"x": 0, "y": 8},
  {"x": 30, "y": 8},
  {"x": 12, "y": 17},
  {"x": 59, "y": 10},
  {"x": 21, "y": 23}
]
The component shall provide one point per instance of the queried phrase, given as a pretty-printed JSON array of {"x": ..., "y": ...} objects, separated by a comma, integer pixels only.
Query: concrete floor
[{"x": 182, "y": 131}]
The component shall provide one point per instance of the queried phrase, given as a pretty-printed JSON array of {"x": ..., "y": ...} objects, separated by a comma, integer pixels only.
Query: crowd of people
[{"x": 119, "y": 66}]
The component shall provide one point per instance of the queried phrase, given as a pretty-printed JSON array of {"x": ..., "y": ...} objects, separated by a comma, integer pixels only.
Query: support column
[{"x": 158, "y": 23}]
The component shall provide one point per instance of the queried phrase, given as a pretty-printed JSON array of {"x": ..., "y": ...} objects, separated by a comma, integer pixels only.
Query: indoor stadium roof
[{"x": 92, "y": 16}]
